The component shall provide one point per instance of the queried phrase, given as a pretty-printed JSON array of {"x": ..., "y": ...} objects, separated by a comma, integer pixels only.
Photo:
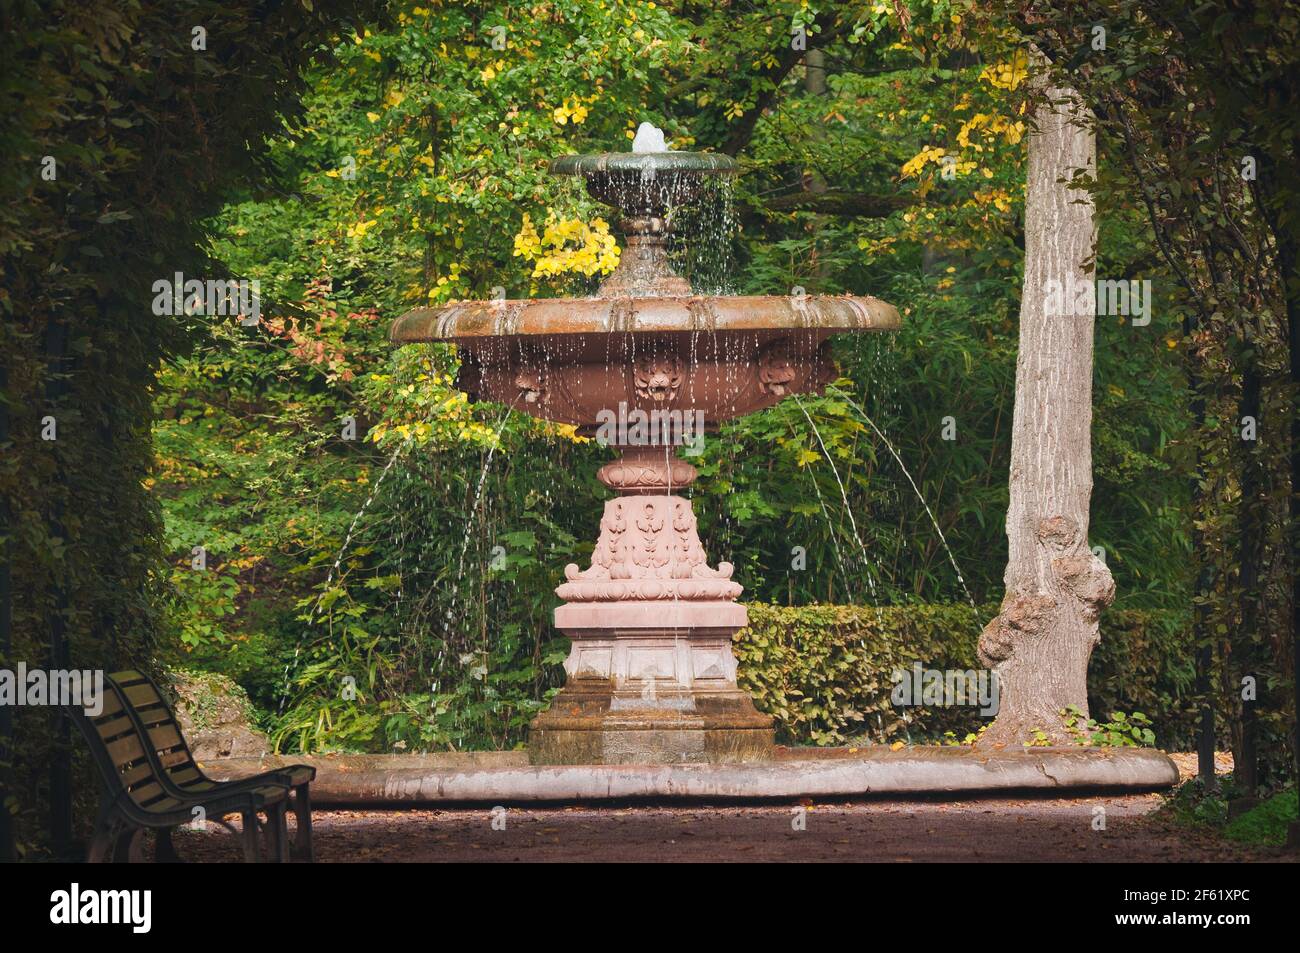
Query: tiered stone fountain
[{"x": 651, "y": 676}]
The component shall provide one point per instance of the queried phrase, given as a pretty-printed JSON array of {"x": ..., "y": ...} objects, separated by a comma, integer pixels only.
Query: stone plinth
[
  {"x": 650, "y": 683},
  {"x": 651, "y": 675}
]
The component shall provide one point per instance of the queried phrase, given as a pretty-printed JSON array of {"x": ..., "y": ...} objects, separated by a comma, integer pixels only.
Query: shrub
[{"x": 825, "y": 672}]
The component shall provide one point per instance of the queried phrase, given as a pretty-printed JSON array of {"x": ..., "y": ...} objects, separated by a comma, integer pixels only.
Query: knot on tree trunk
[
  {"x": 1076, "y": 571},
  {"x": 1023, "y": 615},
  {"x": 1079, "y": 587},
  {"x": 1059, "y": 534},
  {"x": 1086, "y": 578}
]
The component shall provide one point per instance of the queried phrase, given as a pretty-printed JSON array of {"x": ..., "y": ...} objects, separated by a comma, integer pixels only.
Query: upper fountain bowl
[
  {"x": 644, "y": 183},
  {"x": 646, "y": 340}
]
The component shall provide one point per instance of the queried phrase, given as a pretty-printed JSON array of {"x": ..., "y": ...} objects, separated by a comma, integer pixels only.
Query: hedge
[{"x": 826, "y": 672}]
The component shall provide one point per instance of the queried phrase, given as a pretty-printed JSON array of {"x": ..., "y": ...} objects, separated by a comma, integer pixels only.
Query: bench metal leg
[
  {"x": 277, "y": 833},
  {"x": 251, "y": 853},
  {"x": 301, "y": 849},
  {"x": 103, "y": 844},
  {"x": 164, "y": 851},
  {"x": 135, "y": 848},
  {"x": 128, "y": 846}
]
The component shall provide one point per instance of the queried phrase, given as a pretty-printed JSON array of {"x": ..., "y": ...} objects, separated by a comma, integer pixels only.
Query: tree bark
[
  {"x": 1249, "y": 648},
  {"x": 1040, "y": 643},
  {"x": 8, "y": 854}
]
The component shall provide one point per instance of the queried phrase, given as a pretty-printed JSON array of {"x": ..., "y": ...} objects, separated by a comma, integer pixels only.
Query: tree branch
[
  {"x": 842, "y": 202},
  {"x": 743, "y": 129}
]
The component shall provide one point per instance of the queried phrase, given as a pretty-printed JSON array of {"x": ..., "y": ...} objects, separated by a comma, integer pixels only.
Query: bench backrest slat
[
  {"x": 156, "y": 715},
  {"x": 119, "y": 750},
  {"x": 125, "y": 751},
  {"x": 114, "y": 727},
  {"x": 165, "y": 737},
  {"x": 112, "y": 704}
]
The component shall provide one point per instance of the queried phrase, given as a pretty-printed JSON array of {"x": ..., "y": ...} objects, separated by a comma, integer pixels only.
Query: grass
[
  {"x": 1265, "y": 825},
  {"x": 1191, "y": 806}
]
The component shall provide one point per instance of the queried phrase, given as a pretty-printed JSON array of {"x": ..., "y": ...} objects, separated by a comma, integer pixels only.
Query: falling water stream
[
  {"x": 292, "y": 664},
  {"x": 397, "y": 454},
  {"x": 826, "y": 515},
  {"x": 848, "y": 509},
  {"x": 469, "y": 526},
  {"x": 907, "y": 473}
]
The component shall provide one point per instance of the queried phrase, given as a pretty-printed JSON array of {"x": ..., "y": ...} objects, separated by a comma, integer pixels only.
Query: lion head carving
[
  {"x": 657, "y": 378},
  {"x": 531, "y": 383},
  {"x": 776, "y": 368}
]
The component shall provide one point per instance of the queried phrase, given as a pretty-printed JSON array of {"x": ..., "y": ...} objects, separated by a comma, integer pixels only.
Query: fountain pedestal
[{"x": 651, "y": 675}]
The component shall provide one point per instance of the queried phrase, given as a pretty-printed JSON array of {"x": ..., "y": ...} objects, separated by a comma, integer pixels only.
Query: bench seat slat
[
  {"x": 137, "y": 773},
  {"x": 187, "y": 775}
]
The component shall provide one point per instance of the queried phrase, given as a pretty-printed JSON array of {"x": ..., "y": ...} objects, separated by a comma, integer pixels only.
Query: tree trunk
[
  {"x": 8, "y": 854},
  {"x": 1249, "y": 647},
  {"x": 1040, "y": 643}
]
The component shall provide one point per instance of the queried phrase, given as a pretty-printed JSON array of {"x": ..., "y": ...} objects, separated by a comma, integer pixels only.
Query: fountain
[{"x": 651, "y": 676}]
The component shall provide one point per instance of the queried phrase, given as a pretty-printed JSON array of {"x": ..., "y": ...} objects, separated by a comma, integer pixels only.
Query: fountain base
[
  {"x": 651, "y": 682},
  {"x": 651, "y": 676}
]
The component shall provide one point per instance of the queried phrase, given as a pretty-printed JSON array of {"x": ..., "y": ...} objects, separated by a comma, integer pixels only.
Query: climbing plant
[{"x": 126, "y": 128}]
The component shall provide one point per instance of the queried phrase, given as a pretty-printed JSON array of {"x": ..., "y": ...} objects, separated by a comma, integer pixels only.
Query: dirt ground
[{"x": 986, "y": 829}]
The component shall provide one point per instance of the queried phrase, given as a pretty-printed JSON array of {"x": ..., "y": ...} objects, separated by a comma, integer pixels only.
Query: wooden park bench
[{"x": 152, "y": 781}]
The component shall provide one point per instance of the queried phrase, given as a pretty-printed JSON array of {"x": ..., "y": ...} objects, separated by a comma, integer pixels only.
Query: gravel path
[
  {"x": 1001, "y": 829},
  {"x": 978, "y": 829}
]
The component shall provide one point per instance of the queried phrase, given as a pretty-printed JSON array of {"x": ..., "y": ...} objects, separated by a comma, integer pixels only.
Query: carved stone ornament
[
  {"x": 647, "y": 470},
  {"x": 776, "y": 368},
  {"x": 657, "y": 378},
  {"x": 649, "y": 549},
  {"x": 531, "y": 382},
  {"x": 784, "y": 369}
]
